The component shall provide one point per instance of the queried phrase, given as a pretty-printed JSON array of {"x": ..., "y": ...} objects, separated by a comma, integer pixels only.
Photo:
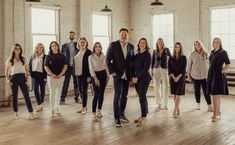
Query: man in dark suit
[
  {"x": 69, "y": 49},
  {"x": 119, "y": 59}
]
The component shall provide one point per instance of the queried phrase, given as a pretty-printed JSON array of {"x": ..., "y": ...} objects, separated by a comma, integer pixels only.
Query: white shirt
[
  {"x": 37, "y": 64},
  {"x": 197, "y": 66},
  {"x": 97, "y": 63},
  {"x": 18, "y": 67},
  {"x": 124, "y": 50},
  {"x": 78, "y": 62}
]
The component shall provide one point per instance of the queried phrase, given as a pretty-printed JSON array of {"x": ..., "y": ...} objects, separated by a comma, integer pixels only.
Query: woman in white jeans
[
  {"x": 55, "y": 66},
  {"x": 160, "y": 74}
]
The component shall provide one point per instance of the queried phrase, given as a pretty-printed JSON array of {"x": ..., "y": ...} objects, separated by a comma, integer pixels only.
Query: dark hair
[
  {"x": 123, "y": 29},
  {"x": 95, "y": 47},
  {"x": 82, "y": 38},
  {"x": 22, "y": 59},
  {"x": 147, "y": 47},
  {"x": 181, "y": 50},
  {"x": 50, "y": 50},
  {"x": 72, "y": 32}
]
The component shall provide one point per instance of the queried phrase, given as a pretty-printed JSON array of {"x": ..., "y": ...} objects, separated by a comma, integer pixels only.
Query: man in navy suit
[
  {"x": 69, "y": 49},
  {"x": 119, "y": 59}
]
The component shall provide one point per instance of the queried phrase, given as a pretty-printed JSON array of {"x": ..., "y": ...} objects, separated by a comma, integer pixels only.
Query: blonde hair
[
  {"x": 157, "y": 48},
  {"x": 35, "y": 49},
  {"x": 203, "y": 52},
  {"x": 220, "y": 41}
]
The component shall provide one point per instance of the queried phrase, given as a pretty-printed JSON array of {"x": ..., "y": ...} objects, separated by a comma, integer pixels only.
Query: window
[
  {"x": 162, "y": 26},
  {"x": 223, "y": 26},
  {"x": 44, "y": 26},
  {"x": 101, "y": 30}
]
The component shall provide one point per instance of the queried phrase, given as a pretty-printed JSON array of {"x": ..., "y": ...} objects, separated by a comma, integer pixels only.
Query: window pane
[
  {"x": 215, "y": 15},
  {"x": 224, "y": 13},
  {"x": 232, "y": 14},
  {"x": 232, "y": 40},
  {"x": 232, "y": 27},
  {"x": 225, "y": 40},
  {"x": 215, "y": 27},
  {"x": 232, "y": 53},
  {"x": 163, "y": 27},
  {"x": 43, "y": 21},
  {"x": 104, "y": 42},
  {"x": 224, "y": 27},
  {"x": 100, "y": 25},
  {"x": 44, "y": 39}
]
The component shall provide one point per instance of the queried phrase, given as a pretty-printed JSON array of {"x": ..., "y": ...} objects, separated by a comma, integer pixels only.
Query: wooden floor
[{"x": 194, "y": 126}]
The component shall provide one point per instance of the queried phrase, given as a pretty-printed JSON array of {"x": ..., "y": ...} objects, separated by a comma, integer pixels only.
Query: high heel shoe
[
  {"x": 141, "y": 122},
  {"x": 98, "y": 114},
  {"x": 53, "y": 114},
  {"x": 214, "y": 119},
  {"x": 31, "y": 117},
  {"x": 17, "y": 115},
  {"x": 84, "y": 111},
  {"x": 210, "y": 109}
]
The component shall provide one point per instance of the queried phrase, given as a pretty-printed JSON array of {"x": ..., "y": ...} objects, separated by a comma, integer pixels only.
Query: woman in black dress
[
  {"x": 217, "y": 82},
  {"x": 142, "y": 61},
  {"x": 176, "y": 69}
]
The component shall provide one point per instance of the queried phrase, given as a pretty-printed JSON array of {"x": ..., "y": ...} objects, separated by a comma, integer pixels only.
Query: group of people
[{"x": 126, "y": 66}]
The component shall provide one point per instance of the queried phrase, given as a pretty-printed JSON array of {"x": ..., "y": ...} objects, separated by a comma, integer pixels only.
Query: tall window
[
  {"x": 223, "y": 26},
  {"x": 44, "y": 26},
  {"x": 101, "y": 30},
  {"x": 162, "y": 26}
]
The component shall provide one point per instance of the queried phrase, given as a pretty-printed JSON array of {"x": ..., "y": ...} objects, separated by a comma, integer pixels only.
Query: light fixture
[
  {"x": 106, "y": 9},
  {"x": 156, "y": 3},
  {"x": 38, "y": 1}
]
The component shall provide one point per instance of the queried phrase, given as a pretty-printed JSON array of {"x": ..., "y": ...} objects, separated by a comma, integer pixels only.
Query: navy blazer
[
  {"x": 65, "y": 51},
  {"x": 36, "y": 74},
  {"x": 116, "y": 61}
]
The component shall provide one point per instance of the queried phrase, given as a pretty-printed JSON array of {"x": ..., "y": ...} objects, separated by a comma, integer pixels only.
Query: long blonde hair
[
  {"x": 35, "y": 49},
  {"x": 157, "y": 48},
  {"x": 203, "y": 52}
]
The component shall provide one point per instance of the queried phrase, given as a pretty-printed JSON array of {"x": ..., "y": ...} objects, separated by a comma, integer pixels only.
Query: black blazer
[
  {"x": 162, "y": 60},
  {"x": 65, "y": 51},
  {"x": 85, "y": 63},
  {"x": 117, "y": 63},
  {"x": 37, "y": 74}
]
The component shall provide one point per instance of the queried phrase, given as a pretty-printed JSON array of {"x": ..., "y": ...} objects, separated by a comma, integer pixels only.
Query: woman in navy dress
[
  {"x": 217, "y": 81},
  {"x": 142, "y": 61},
  {"x": 176, "y": 69}
]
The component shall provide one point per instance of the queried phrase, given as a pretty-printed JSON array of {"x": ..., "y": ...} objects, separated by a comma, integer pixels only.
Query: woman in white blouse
[
  {"x": 17, "y": 76},
  {"x": 99, "y": 73},
  {"x": 82, "y": 72},
  {"x": 38, "y": 74},
  {"x": 197, "y": 70}
]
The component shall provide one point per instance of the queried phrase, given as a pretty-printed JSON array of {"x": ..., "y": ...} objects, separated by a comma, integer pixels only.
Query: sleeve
[
  {"x": 8, "y": 63},
  {"x": 226, "y": 58},
  {"x": 62, "y": 49},
  {"x": 106, "y": 67},
  {"x": 153, "y": 59},
  {"x": 30, "y": 64},
  {"x": 147, "y": 63},
  {"x": 184, "y": 65},
  {"x": 91, "y": 66},
  {"x": 26, "y": 61},
  {"x": 63, "y": 60},
  {"x": 109, "y": 59},
  {"x": 168, "y": 52},
  {"x": 170, "y": 70},
  {"x": 190, "y": 62},
  {"x": 46, "y": 62}
]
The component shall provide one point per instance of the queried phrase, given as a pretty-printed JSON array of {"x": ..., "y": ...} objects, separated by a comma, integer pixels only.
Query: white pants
[
  {"x": 55, "y": 87},
  {"x": 161, "y": 86}
]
